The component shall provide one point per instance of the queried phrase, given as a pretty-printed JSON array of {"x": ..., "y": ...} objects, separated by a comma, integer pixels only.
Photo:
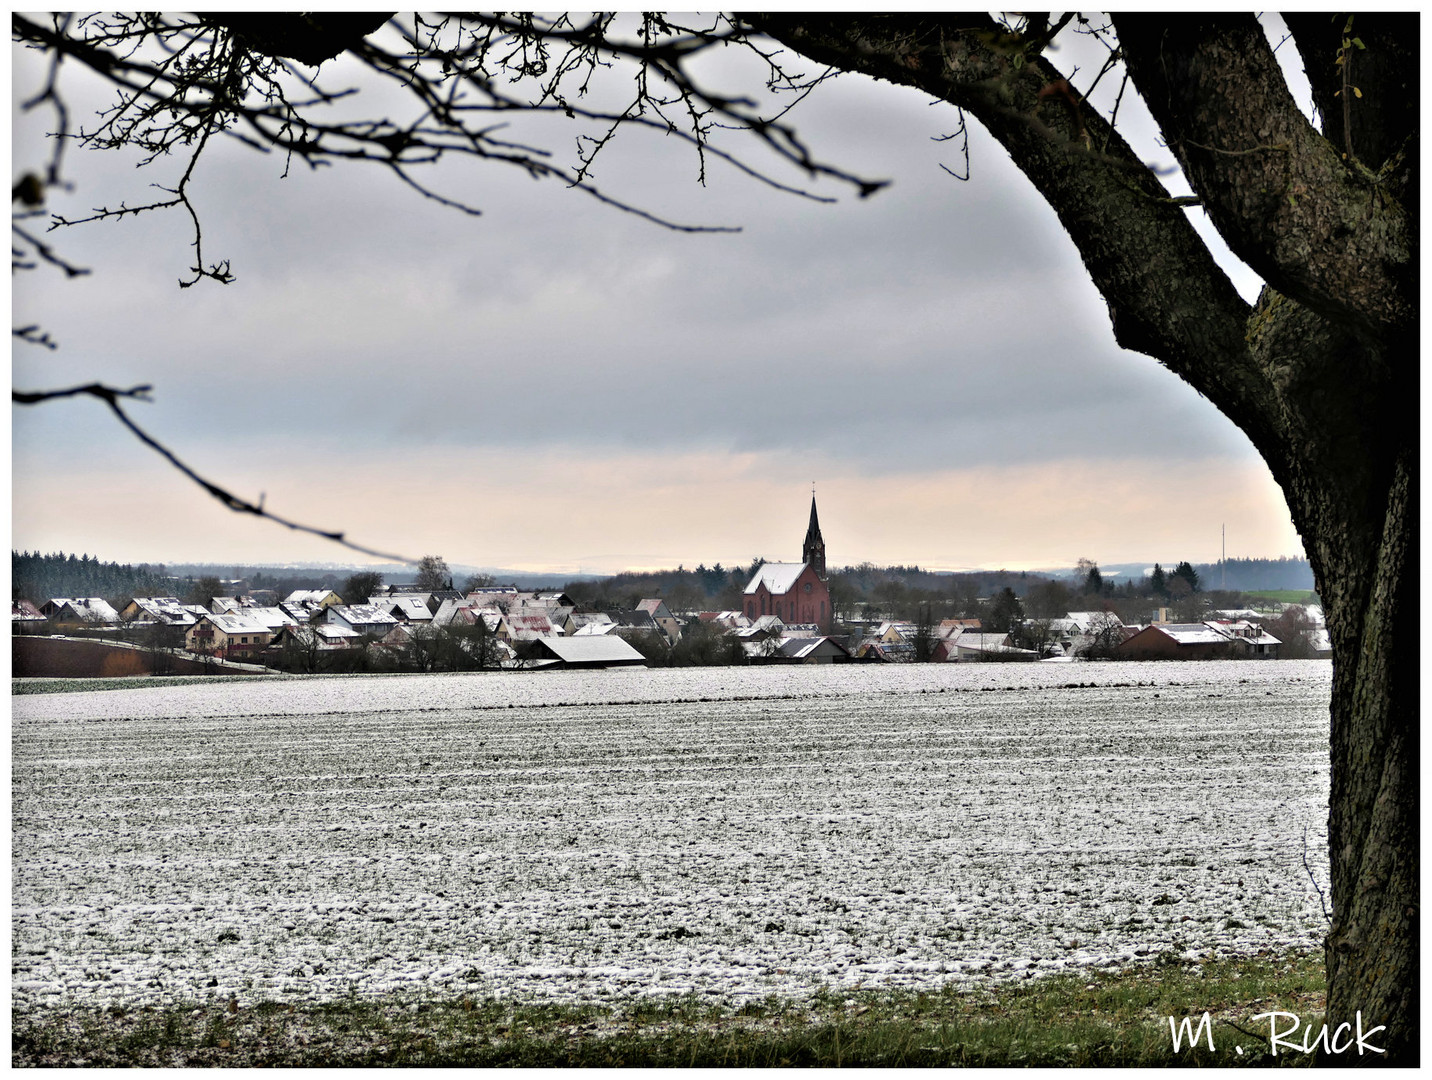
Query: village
[{"x": 786, "y": 618}]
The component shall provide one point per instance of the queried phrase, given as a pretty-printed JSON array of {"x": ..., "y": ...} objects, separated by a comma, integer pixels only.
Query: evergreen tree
[
  {"x": 1158, "y": 583},
  {"x": 1186, "y": 571}
]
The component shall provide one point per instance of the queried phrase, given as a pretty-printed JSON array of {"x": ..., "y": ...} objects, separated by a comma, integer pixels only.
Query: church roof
[{"x": 778, "y": 577}]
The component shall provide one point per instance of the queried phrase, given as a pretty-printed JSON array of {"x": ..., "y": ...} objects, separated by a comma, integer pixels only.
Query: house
[
  {"x": 504, "y": 598},
  {"x": 161, "y": 610},
  {"x": 407, "y": 607},
  {"x": 803, "y": 630},
  {"x": 660, "y": 614},
  {"x": 727, "y": 620},
  {"x": 299, "y": 613},
  {"x": 872, "y": 651},
  {"x": 321, "y": 637},
  {"x": 578, "y": 621},
  {"x": 632, "y": 622},
  {"x": 526, "y": 627},
  {"x": 367, "y": 619},
  {"x": 314, "y": 598},
  {"x": 471, "y": 616},
  {"x": 974, "y": 646},
  {"x": 79, "y": 611},
  {"x": 590, "y": 651},
  {"x": 437, "y": 596},
  {"x": 816, "y": 650},
  {"x": 493, "y": 590},
  {"x": 449, "y": 608},
  {"x": 275, "y": 618},
  {"x": 227, "y": 635},
  {"x": 1250, "y": 637},
  {"x": 895, "y": 633},
  {"x": 594, "y": 629},
  {"x": 1177, "y": 641},
  {"x": 25, "y": 618},
  {"x": 222, "y": 605},
  {"x": 953, "y": 627},
  {"x": 795, "y": 592}
]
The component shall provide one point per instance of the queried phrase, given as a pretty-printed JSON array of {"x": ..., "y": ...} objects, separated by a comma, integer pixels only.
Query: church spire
[{"x": 813, "y": 551}]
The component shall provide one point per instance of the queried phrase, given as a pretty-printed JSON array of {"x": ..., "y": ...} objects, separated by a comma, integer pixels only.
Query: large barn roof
[{"x": 596, "y": 649}]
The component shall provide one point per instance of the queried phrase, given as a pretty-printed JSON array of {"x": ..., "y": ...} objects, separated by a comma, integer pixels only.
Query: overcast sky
[{"x": 557, "y": 386}]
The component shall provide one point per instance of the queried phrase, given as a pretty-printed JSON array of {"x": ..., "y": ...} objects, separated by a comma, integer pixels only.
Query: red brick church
[{"x": 794, "y": 592}]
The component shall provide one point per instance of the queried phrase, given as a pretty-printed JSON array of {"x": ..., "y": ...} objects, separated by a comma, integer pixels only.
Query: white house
[{"x": 227, "y": 635}]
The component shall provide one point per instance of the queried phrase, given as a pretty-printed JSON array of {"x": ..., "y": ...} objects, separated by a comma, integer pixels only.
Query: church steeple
[{"x": 813, "y": 551}]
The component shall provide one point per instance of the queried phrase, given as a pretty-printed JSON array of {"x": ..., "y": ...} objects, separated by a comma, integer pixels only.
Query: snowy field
[{"x": 725, "y": 832}]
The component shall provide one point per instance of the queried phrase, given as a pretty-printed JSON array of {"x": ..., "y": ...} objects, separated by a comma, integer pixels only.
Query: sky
[{"x": 556, "y": 386}]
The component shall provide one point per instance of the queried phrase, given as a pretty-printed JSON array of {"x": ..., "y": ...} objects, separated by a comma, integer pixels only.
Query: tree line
[{"x": 38, "y": 577}]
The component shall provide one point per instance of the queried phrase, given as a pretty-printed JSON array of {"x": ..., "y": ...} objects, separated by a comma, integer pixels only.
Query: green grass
[
  {"x": 1109, "y": 1018},
  {"x": 1285, "y": 596}
]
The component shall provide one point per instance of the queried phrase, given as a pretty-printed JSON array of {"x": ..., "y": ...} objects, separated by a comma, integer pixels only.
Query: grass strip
[{"x": 1108, "y": 1018}]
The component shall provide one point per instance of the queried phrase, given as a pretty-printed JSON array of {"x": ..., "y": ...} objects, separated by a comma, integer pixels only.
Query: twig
[
  {"x": 1321, "y": 899},
  {"x": 1281, "y": 148},
  {"x": 110, "y": 396}
]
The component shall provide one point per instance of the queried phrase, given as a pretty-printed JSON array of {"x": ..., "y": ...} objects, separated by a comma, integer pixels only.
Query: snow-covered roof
[
  {"x": 168, "y": 609},
  {"x": 642, "y": 620},
  {"x": 580, "y": 619},
  {"x": 233, "y": 623},
  {"x": 448, "y": 609},
  {"x": 272, "y": 617},
  {"x": 307, "y": 596},
  {"x": 803, "y": 630},
  {"x": 1194, "y": 633},
  {"x": 778, "y": 577},
  {"x": 1089, "y": 621},
  {"x": 526, "y": 627},
  {"x": 412, "y": 608},
  {"x": 599, "y": 649},
  {"x": 332, "y": 635},
  {"x": 88, "y": 608},
  {"x": 973, "y": 639},
  {"x": 594, "y": 629},
  {"x": 1251, "y": 632},
  {"x": 361, "y": 614},
  {"x": 800, "y": 648}
]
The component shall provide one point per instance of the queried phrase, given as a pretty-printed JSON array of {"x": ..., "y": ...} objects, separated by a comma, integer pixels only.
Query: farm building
[
  {"x": 585, "y": 651},
  {"x": 1177, "y": 641}
]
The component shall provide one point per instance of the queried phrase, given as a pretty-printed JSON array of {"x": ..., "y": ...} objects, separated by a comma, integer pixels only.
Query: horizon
[{"x": 390, "y": 576}]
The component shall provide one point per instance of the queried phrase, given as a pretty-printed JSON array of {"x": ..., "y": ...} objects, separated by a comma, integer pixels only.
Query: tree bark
[{"x": 1321, "y": 374}]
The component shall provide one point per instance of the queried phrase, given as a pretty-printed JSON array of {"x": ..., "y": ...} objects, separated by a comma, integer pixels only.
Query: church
[{"x": 794, "y": 592}]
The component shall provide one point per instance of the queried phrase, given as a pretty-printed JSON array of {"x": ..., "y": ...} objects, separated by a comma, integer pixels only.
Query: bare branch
[{"x": 111, "y": 396}]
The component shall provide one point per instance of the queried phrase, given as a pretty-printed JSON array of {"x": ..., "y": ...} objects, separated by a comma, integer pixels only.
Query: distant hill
[{"x": 329, "y": 575}]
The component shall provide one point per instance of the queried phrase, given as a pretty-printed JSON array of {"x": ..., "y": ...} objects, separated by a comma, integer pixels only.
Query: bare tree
[
  {"x": 1320, "y": 373},
  {"x": 433, "y": 574}
]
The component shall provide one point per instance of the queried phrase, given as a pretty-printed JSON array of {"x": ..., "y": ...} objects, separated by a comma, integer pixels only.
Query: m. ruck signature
[{"x": 1341, "y": 1040}]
